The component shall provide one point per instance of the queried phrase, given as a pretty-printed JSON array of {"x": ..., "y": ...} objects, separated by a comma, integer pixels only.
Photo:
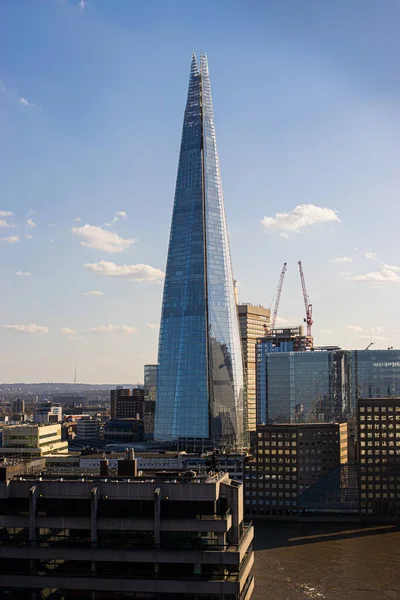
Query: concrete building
[
  {"x": 127, "y": 404},
  {"x": 32, "y": 440},
  {"x": 288, "y": 459},
  {"x": 48, "y": 413},
  {"x": 254, "y": 323},
  {"x": 171, "y": 538},
  {"x": 88, "y": 428},
  {"x": 379, "y": 458},
  {"x": 18, "y": 406},
  {"x": 150, "y": 382}
]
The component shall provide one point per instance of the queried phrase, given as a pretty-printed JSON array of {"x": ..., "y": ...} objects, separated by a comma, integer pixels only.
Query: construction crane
[
  {"x": 277, "y": 296},
  {"x": 308, "y": 306}
]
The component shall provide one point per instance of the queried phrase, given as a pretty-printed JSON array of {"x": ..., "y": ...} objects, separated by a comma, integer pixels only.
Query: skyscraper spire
[{"x": 200, "y": 373}]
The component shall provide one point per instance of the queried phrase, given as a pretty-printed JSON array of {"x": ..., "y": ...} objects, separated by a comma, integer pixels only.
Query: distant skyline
[{"x": 91, "y": 100}]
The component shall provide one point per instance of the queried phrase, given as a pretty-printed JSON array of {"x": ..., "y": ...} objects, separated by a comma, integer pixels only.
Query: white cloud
[
  {"x": 96, "y": 237},
  {"x": 23, "y": 101},
  {"x": 370, "y": 255},
  {"x": 10, "y": 240},
  {"x": 6, "y": 213},
  {"x": 117, "y": 216},
  {"x": 391, "y": 267},
  {"x": 76, "y": 338},
  {"x": 67, "y": 331},
  {"x": 328, "y": 331},
  {"x": 152, "y": 326},
  {"x": 23, "y": 273},
  {"x": 4, "y": 223},
  {"x": 112, "y": 329},
  {"x": 82, "y": 4},
  {"x": 77, "y": 220},
  {"x": 281, "y": 321},
  {"x": 27, "y": 328},
  {"x": 342, "y": 259},
  {"x": 383, "y": 276},
  {"x": 135, "y": 272},
  {"x": 93, "y": 293},
  {"x": 30, "y": 223},
  {"x": 303, "y": 215},
  {"x": 378, "y": 329},
  {"x": 354, "y": 328},
  {"x": 28, "y": 237}
]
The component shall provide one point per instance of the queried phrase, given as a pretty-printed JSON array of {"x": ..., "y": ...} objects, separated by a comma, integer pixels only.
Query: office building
[
  {"x": 18, "y": 406},
  {"x": 32, "y": 440},
  {"x": 254, "y": 324},
  {"x": 166, "y": 538},
  {"x": 48, "y": 413},
  {"x": 88, "y": 428},
  {"x": 200, "y": 368},
  {"x": 379, "y": 457},
  {"x": 150, "y": 382},
  {"x": 149, "y": 408},
  {"x": 289, "y": 459},
  {"x": 124, "y": 430},
  {"x": 127, "y": 404},
  {"x": 321, "y": 384}
]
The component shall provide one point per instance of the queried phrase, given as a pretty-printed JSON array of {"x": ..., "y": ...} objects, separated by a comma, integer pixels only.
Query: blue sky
[{"x": 306, "y": 99}]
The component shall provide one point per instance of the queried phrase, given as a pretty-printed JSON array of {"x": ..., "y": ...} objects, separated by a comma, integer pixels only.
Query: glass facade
[
  {"x": 200, "y": 373},
  {"x": 296, "y": 387}
]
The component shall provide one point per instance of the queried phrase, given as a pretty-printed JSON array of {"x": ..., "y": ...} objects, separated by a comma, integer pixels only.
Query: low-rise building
[
  {"x": 123, "y": 430},
  {"x": 174, "y": 537},
  {"x": 29, "y": 440},
  {"x": 88, "y": 428}
]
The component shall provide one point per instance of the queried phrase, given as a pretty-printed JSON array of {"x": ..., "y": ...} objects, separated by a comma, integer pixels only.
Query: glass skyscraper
[{"x": 200, "y": 373}]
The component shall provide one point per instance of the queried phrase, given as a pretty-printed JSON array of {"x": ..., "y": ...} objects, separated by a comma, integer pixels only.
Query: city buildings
[
  {"x": 18, "y": 406},
  {"x": 150, "y": 382},
  {"x": 254, "y": 324},
  {"x": 127, "y": 404},
  {"x": 289, "y": 459},
  {"x": 379, "y": 457},
  {"x": 32, "y": 440},
  {"x": 320, "y": 384},
  {"x": 88, "y": 428},
  {"x": 48, "y": 413},
  {"x": 200, "y": 370},
  {"x": 165, "y": 538}
]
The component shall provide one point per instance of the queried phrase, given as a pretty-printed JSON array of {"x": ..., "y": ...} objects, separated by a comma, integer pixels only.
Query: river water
[{"x": 314, "y": 561}]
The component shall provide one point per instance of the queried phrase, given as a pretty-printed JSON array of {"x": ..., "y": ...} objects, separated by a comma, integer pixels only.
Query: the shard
[{"x": 200, "y": 372}]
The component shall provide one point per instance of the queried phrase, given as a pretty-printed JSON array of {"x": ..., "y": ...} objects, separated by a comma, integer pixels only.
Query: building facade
[
  {"x": 124, "y": 430},
  {"x": 200, "y": 368},
  {"x": 127, "y": 404},
  {"x": 254, "y": 323},
  {"x": 150, "y": 382},
  {"x": 32, "y": 440},
  {"x": 168, "y": 538},
  {"x": 88, "y": 428},
  {"x": 288, "y": 459},
  {"x": 379, "y": 457},
  {"x": 321, "y": 385}
]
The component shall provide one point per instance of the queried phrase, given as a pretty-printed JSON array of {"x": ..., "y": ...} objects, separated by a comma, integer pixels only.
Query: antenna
[{"x": 75, "y": 379}]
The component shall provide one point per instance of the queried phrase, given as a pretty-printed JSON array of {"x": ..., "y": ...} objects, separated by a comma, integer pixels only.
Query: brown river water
[{"x": 317, "y": 561}]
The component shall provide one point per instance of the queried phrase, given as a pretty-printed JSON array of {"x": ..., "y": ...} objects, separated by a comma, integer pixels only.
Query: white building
[{"x": 39, "y": 439}]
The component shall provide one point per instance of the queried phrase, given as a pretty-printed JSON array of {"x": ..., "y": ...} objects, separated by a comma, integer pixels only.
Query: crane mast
[
  {"x": 308, "y": 306},
  {"x": 277, "y": 295}
]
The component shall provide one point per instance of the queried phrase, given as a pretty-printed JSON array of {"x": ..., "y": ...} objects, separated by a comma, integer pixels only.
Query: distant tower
[{"x": 75, "y": 379}]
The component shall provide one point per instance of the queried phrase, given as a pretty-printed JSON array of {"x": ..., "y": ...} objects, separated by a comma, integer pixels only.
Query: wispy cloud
[
  {"x": 67, "y": 331},
  {"x": 78, "y": 220},
  {"x": 76, "y": 338},
  {"x": 23, "y": 273},
  {"x": 135, "y": 272},
  {"x": 6, "y": 213},
  {"x": 342, "y": 259},
  {"x": 303, "y": 215},
  {"x": 32, "y": 328},
  {"x": 82, "y": 4},
  {"x": 326, "y": 331},
  {"x": 117, "y": 216},
  {"x": 23, "y": 101},
  {"x": 96, "y": 237},
  {"x": 152, "y": 326},
  {"x": 30, "y": 223},
  {"x": 385, "y": 276},
  {"x": 4, "y": 223},
  {"x": 370, "y": 255},
  {"x": 10, "y": 240},
  {"x": 359, "y": 329},
  {"x": 112, "y": 329},
  {"x": 377, "y": 338},
  {"x": 93, "y": 293},
  {"x": 28, "y": 237},
  {"x": 356, "y": 328}
]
